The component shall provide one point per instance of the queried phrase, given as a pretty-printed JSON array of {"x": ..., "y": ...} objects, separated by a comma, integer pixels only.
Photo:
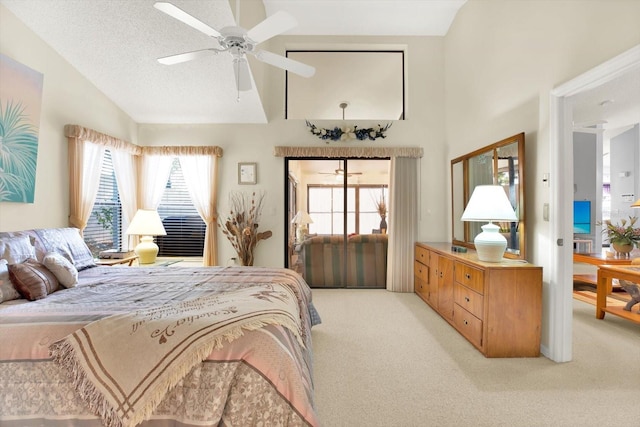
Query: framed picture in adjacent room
[{"x": 247, "y": 173}]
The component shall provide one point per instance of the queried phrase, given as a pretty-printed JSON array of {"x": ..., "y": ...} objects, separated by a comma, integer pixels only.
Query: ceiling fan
[
  {"x": 340, "y": 171},
  {"x": 238, "y": 42}
]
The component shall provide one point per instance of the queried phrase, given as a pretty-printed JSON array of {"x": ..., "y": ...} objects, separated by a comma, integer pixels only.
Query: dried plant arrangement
[{"x": 241, "y": 225}]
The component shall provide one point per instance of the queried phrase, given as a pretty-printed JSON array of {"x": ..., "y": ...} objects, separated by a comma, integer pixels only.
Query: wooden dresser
[{"x": 497, "y": 307}]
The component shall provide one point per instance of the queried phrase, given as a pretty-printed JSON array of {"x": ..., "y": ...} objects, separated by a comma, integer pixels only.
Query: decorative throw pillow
[
  {"x": 32, "y": 279},
  {"x": 62, "y": 268},
  {"x": 7, "y": 291},
  {"x": 16, "y": 249},
  {"x": 68, "y": 243}
]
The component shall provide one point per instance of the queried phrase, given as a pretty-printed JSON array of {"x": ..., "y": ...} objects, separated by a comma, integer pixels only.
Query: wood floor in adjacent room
[{"x": 387, "y": 359}]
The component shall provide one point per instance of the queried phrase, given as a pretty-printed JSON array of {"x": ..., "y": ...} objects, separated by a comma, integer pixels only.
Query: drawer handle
[
  {"x": 467, "y": 299},
  {"x": 468, "y": 276},
  {"x": 465, "y": 322}
]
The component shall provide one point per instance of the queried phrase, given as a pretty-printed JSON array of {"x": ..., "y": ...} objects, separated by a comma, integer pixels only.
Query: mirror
[
  {"x": 371, "y": 83},
  {"x": 501, "y": 163}
]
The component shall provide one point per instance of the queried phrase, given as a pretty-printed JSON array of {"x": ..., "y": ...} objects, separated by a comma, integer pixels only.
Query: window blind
[{"x": 185, "y": 229}]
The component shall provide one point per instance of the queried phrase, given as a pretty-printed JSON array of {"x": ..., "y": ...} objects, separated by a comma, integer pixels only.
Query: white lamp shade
[
  {"x": 146, "y": 223},
  {"x": 302, "y": 218},
  {"x": 489, "y": 203}
]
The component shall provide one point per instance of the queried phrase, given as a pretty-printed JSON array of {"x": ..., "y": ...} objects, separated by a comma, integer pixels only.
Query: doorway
[
  {"x": 560, "y": 295},
  {"x": 336, "y": 221}
]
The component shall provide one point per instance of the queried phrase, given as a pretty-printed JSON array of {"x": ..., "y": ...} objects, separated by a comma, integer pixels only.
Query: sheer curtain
[
  {"x": 154, "y": 171},
  {"x": 402, "y": 223},
  {"x": 85, "y": 164},
  {"x": 200, "y": 176},
  {"x": 125, "y": 168}
]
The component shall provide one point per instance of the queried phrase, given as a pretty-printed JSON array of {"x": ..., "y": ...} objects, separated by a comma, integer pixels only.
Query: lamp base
[
  {"x": 490, "y": 244},
  {"x": 146, "y": 250},
  {"x": 301, "y": 232}
]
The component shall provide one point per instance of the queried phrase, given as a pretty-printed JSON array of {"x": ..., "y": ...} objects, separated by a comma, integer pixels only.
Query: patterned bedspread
[{"x": 261, "y": 378}]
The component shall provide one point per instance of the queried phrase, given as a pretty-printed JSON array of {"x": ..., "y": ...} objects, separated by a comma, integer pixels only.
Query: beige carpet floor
[{"x": 387, "y": 359}]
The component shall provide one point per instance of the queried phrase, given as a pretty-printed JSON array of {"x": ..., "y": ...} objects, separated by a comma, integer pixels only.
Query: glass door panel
[{"x": 323, "y": 188}]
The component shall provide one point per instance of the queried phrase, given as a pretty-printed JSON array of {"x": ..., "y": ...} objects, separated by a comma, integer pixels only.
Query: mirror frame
[{"x": 464, "y": 187}]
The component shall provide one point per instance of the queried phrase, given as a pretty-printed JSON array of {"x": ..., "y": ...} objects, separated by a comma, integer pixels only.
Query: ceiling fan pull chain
[{"x": 237, "y": 71}]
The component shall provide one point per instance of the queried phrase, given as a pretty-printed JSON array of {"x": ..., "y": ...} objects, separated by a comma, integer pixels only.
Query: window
[
  {"x": 185, "y": 229},
  {"x": 103, "y": 229},
  {"x": 326, "y": 208}
]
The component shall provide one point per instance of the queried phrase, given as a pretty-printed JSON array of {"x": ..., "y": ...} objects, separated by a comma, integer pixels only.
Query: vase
[
  {"x": 622, "y": 249},
  {"x": 383, "y": 225}
]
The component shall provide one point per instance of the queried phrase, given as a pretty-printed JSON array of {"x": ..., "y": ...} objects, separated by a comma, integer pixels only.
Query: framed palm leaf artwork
[{"x": 20, "y": 102}]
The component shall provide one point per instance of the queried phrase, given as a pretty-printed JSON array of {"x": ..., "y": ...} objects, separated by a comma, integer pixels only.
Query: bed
[{"x": 254, "y": 373}]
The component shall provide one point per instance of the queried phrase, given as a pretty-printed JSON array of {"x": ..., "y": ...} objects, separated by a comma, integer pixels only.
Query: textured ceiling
[{"x": 115, "y": 43}]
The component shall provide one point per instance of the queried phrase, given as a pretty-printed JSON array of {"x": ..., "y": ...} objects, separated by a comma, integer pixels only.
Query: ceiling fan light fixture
[{"x": 239, "y": 42}]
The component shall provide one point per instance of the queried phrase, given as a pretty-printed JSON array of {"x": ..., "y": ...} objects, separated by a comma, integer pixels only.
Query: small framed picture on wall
[{"x": 247, "y": 173}]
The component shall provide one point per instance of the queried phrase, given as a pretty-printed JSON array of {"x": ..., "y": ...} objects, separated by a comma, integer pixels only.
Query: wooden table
[
  {"x": 596, "y": 259},
  {"x": 603, "y": 288}
]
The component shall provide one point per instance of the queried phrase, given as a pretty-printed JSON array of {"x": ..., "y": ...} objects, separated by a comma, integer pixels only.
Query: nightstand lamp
[
  {"x": 489, "y": 203},
  {"x": 301, "y": 220},
  {"x": 146, "y": 223}
]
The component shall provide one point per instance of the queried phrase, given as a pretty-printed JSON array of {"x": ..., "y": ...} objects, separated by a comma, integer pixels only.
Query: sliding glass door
[{"x": 336, "y": 233}]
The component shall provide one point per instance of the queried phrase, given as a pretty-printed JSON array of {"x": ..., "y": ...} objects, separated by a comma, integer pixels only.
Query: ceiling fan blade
[
  {"x": 242, "y": 74},
  {"x": 275, "y": 24},
  {"x": 182, "y": 16},
  {"x": 279, "y": 61},
  {"x": 187, "y": 56}
]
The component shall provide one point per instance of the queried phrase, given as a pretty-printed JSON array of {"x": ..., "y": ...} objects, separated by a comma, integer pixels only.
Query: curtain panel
[
  {"x": 85, "y": 164},
  {"x": 403, "y": 224}
]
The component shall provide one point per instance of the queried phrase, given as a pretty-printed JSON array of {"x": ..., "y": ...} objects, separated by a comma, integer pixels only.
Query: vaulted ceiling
[{"x": 115, "y": 44}]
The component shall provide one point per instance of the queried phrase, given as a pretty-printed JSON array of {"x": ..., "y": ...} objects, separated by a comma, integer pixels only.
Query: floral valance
[{"x": 363, "y": 152}]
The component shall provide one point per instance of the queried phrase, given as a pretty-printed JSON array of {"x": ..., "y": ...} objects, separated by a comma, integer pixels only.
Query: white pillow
[
  {"x": 62, "y": 268},
  {"x": 17, "y": 249},
  {"x": 7, "y": 291}
]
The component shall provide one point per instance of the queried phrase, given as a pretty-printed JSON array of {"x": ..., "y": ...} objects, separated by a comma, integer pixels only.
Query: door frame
[{"x": 560, "y": 259}]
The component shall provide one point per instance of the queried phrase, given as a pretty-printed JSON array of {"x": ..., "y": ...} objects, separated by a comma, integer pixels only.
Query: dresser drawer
[
  {"x": 468, "y": 325},
  {"x": 422, "y": 255},
  {"x": 470, "y": 277},
  {"x": 421, "y": 287},
  {"x": 471, "y": 301},
  {"x": 421, "y": 271}
]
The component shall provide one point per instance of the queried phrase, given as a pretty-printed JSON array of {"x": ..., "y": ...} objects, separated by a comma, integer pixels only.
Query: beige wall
[
  {"x": 502, "y": 58},
  {"x": 67, "y": 98}
]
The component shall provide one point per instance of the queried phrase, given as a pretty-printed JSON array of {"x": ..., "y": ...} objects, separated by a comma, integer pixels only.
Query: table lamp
[
  {"x": 146, "y": 223},
  {"x": 302, "y": 220},
  {"x": 489, "y": 203}
]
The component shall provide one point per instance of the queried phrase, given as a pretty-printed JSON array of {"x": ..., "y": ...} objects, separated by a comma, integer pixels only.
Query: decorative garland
[{"x": 347, "y": 133}]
